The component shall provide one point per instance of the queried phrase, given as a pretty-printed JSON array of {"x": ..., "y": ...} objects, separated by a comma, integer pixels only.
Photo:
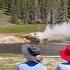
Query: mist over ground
[{"x": 56, "y": 32}]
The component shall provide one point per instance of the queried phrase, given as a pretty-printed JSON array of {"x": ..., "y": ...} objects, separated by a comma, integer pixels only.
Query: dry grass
[{"x": 11, "y": 61}]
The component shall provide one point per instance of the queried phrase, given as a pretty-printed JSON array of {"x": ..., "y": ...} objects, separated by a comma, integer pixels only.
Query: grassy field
[
  {"x": 26, "y": 28},
  {"x": 7, "y": 27},
  {"x": 10, "y": 61}
]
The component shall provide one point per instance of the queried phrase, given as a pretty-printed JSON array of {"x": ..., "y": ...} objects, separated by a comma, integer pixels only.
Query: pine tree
[
  {"x": 68, "y": 8},
  {"x": 13, "y": 12}
]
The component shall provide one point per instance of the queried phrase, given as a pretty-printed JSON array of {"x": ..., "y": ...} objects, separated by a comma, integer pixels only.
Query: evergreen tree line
[{"x": 36, "y": 11}]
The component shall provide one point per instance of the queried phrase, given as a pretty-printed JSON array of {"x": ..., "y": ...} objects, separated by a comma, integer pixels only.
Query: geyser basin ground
[{"x": 9, "y": 39}]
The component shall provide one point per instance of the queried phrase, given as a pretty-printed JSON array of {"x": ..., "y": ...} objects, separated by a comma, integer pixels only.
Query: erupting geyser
[{"x": 59, "y": 31}]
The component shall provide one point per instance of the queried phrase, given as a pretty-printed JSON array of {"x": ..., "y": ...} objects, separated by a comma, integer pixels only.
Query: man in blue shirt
[
  {"x": 32, "y": 54},
  {"x": 65, "y": 54}
]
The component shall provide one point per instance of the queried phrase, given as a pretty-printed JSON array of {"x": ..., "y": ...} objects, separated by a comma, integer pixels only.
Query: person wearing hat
[
  {"x": 65, "y": 54},
  {"x": 32, "y": 54}
]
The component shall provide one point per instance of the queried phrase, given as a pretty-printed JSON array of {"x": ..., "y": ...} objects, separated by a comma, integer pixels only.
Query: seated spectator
[
  {"x": 32, "y": 54},
  {"x": 65, "y": 54}
]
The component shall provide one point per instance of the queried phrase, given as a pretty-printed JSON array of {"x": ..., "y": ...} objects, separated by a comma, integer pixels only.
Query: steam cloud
[{"x": 57, "y": 32}]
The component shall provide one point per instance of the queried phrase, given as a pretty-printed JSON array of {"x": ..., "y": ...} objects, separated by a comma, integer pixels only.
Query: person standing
[
  {"x": 33, "y": 55},
  {"x": 65, "y": 54}
]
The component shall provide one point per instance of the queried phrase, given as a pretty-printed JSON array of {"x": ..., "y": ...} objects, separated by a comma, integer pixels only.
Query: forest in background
[{"x": 36, "y": 11}]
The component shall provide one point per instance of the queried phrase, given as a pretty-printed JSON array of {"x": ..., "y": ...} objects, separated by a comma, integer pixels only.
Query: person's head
[
  {"x": 35, "y": 52},
  {"x": 32, "y": 52},
  {"x": 65, "y": 53}
]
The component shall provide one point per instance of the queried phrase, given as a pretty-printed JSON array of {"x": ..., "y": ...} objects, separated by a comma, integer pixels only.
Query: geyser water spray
[{"x": 57, "y": 32}]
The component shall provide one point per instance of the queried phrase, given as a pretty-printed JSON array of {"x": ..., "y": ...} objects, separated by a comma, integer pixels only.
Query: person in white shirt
[
  {"x": 65, "y": 54},
  {"x": 32, "y": 53}
]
